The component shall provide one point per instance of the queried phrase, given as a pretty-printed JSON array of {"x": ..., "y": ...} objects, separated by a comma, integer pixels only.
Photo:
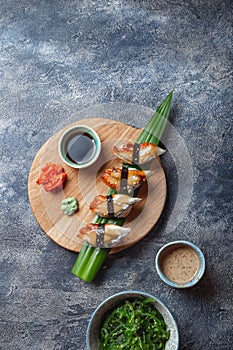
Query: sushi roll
[
  {"x": 137, "y": 153},
  {"x": 115, "y": 205}
]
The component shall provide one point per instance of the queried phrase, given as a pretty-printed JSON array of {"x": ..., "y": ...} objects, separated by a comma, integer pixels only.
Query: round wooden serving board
[{"x": 85, "y": 184}]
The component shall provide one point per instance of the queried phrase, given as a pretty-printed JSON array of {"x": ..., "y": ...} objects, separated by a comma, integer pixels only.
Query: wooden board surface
[{"x": 84, "y": 184}]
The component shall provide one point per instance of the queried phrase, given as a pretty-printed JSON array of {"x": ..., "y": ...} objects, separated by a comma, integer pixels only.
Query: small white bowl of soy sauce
[{"x": 79, "y": 146}]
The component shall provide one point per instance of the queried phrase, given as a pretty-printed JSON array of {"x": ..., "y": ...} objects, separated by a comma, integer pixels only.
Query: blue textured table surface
[{"x": 64, "y": 60}]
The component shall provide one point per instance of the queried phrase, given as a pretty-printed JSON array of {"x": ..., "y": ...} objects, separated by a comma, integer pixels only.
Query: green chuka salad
[{"x": 134, "y": 325}]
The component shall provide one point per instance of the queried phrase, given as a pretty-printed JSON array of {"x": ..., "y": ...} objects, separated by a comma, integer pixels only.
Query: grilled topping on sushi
[
  {"x": 103, "y": 235},
  {"x": 135, "y": 153},
  {"x": 115, "y": 205},
  {"x": 124, "y": 179}
]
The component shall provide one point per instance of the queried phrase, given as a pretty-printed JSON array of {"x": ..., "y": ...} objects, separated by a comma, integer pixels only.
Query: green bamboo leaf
[{"x": 90, "y": 259}]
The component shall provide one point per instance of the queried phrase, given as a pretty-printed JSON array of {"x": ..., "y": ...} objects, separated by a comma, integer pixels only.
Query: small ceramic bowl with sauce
[
  {"x": 79, "y": 146},
  {"x": 180, "y": 264}
]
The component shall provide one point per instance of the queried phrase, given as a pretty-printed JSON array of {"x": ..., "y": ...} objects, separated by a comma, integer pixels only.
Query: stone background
[{"x": 64, "y": 60}]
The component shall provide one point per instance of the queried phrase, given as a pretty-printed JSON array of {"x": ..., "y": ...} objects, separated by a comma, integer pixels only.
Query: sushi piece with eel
[
  {"x": 103, "y": 235},
  {"x": 124, "y": 179},
  {"x": 137, "y": 153},
  {"x": 114, "y": 205}
]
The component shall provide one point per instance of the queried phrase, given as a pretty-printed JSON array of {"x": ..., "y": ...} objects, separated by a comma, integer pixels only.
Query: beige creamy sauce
[{"x": 180, "y": 264}]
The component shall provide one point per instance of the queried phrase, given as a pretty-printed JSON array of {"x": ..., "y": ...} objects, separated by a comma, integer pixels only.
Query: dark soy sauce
[{"x": 80, "y": 148}]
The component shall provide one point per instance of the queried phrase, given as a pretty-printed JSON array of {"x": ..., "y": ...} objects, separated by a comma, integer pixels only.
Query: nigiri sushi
[
  {"x": 135, "y": 153},
  {"x": 122, "y": 179},
  {"x": 103, "y": 235},
  {"x": 116, "y": 205}
]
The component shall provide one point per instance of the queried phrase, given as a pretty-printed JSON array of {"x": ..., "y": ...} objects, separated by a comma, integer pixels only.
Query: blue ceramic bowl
[
  {"x": 68, "y": 134},
  {"x": 98, "y": 317},
  {"x": 169, "y": 248}
]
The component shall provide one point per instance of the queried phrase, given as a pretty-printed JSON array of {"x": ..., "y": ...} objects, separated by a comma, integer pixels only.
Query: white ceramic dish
[{"x": 82, "y": 130}]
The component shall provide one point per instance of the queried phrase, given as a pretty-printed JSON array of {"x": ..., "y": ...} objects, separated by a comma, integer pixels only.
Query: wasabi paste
[{"x": 69, "y": 205}]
